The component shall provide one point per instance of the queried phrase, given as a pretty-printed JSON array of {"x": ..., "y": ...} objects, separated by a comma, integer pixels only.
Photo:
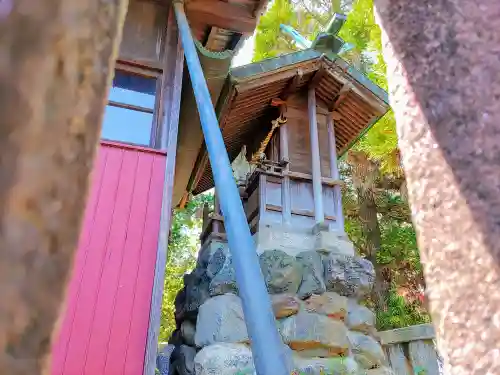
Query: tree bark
[
  {"x": 373, "y": 237},
  {"x": 444, "y": 79},
  {"x": 55, "y": 68},
  {"x": 366, "y": 174}
]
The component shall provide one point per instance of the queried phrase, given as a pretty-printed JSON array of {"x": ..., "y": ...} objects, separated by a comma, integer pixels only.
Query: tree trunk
[
  {"x": 55, "y": 68},
  {"x": 365, "y": 177},
  {"x": 373, "y": 237}
]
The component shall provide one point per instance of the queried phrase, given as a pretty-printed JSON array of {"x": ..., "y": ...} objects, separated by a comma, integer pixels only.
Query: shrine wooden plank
[
  {"x": 113, "y": 254},
  {"x": 92, "y": 269},
  {"x": 106, "y": 321},
  {"x": 144, "y": 34},
  {"x": 60, "y": 346}
]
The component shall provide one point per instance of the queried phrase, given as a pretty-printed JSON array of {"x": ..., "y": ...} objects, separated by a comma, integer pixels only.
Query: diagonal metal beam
[{"x": 267, "y": 347}]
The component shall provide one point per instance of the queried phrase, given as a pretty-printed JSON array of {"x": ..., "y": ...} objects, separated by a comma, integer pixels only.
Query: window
[{"x": 129, "y": 115}]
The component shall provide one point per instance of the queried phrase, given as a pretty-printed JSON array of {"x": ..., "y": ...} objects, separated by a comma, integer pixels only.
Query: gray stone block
[
  {"x": 284, "y": 238},
  {"x": 314, "y": 335},
  {"x": 325, "y": 366},
  {"x": 284, "y": 305},
  {"x": 207, "y": 251},
  {"x": 188, "y": 331},
  {"x": 184, "y": 363},
  {"x": 312, "y": 274},
  {"x": 349, "y": 276},
  {"x": 359, "y": 318},
  {"x": 330, "y": 304},
  {"x": 220, "y": 319},
  {"x": 220, "y": 269},
  {"x": 282, "y": 273},
  {"x": 214, "y": 258},
  {"x": 224, "y": 359},
  {"x": 196, "y": 290},
  {"x": 366, "y": 350},
  {"x": 332, "y": 243}
]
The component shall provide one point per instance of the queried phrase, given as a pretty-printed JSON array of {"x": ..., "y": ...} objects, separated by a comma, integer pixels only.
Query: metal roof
[{"x": 244, "y": 105}]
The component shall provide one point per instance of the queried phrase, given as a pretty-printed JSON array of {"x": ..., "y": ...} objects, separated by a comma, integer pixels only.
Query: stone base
[
  {"x": 293, "y": 241},
  {"x": 331, "y": 242},
  {"x": 315, "y": 281}
]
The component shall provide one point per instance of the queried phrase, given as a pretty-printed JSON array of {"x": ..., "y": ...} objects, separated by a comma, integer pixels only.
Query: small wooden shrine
[{"x": 295, "y": 115}]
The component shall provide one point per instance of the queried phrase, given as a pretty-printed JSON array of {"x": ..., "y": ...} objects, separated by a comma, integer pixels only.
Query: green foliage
[
  {"x": 355, "y": 232},
  {"x": 269, "y": 40},
  {"x": 307, "y": 17},
  {"x": 359, "y": 31},
  {"x": 400, "y": 313},
  {"x": 181, "y": 258},
  {"x": 399, "y": 245},
  {"x": 381, "y": 143}
]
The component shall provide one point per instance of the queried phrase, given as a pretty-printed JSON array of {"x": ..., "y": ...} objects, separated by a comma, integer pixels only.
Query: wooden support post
[
  {"x": 262, "y": 199},
  {"x": 57, "y": 62},
  {"x": 319, "y": 214},
  {"x": 444, "y": 92},
  {"x": 171, "y": 97},
  {"x": 217, "y": 213},
  {"x": 334, "y": 173},
  {"x": 286, "y": 203}
]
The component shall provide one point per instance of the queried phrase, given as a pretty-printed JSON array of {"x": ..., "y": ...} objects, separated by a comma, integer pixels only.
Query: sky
[{"x": 245, "y": 54}]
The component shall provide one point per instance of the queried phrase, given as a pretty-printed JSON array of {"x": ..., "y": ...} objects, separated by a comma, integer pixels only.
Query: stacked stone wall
[{"x": 315, "y": 297}]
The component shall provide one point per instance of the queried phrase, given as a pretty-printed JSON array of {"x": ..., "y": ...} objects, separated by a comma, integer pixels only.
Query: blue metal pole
[
  {"x": 299, "y": 39},
  {"x": 267, "y": 347}
]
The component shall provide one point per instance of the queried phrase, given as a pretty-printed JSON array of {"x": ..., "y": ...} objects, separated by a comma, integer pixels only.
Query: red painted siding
[{"x": 104, "y": 328}]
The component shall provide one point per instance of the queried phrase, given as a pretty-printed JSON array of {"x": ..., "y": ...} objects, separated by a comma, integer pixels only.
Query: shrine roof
[{"x": 245, "y": 102}]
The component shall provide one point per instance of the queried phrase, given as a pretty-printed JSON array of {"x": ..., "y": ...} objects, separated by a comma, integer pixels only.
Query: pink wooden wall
[{"x": 105, "y": 325}]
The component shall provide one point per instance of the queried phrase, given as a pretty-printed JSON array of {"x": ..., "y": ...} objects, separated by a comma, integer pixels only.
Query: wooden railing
[{"x": 412, "y": 350}]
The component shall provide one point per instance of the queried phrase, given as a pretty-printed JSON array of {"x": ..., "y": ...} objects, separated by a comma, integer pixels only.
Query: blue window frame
[{"x": 129, "y": 116}]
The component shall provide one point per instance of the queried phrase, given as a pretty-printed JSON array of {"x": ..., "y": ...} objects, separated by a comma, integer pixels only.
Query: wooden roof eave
[
  {"x": 239, "y": 77},
  {"x": 359, "y": 77},
  {"x": 222, "y": 107},
  {"x": 215, "y": 66},
  {"x": 276, "y": 67},
  {"x": 263, "y": 75}
]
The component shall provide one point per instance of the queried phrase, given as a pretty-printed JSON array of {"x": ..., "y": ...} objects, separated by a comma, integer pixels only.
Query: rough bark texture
[
  {"x": 366, "y": 175},
  {"x": 371, "y": 231},
  {"x": 55, "y": 63},
  {"x": 444, "y": 78}
]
